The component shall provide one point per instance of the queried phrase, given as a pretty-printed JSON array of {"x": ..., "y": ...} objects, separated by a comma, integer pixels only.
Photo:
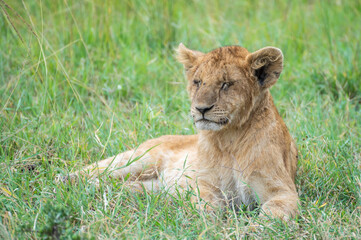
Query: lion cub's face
[
  {"x": 219, "y": 88},
  {"x": 224, "y": 83}
]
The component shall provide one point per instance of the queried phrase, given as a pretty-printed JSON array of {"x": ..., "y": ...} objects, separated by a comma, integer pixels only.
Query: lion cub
[{"x": 243, "y": 152}]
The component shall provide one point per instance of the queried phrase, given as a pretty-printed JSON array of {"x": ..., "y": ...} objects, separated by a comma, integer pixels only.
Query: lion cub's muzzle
[{"x": 209, "y": 117}]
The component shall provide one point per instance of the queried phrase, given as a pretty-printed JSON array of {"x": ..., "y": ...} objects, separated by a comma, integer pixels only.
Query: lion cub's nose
[{"x": 204, "y": 109}]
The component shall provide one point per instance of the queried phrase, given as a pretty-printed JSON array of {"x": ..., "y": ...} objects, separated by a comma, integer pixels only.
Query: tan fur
[{"x": 243, "y": 152}]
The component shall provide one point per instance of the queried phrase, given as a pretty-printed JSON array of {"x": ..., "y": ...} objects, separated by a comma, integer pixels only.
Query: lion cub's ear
[
  {"x": 186, "y": 56},
  {"x": 266, "y": 65}
]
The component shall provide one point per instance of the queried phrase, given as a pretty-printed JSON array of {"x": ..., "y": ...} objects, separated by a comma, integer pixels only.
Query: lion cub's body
[{"x": 243, "y": 153}]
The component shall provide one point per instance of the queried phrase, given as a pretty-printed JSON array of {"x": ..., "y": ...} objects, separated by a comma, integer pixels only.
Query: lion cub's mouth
[
  {"x": 222, "y": 121},
  {"x": 206, "y": 124}
]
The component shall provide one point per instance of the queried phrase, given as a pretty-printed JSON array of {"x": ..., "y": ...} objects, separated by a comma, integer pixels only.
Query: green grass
[{"x": 84, "y": 80}]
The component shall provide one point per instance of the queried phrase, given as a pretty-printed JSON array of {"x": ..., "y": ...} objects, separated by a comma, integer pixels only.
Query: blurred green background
[{"x": 83, "y": 80}]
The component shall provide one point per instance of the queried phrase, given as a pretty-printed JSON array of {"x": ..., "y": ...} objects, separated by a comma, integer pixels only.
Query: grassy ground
[{"x": 83, "y": 80}]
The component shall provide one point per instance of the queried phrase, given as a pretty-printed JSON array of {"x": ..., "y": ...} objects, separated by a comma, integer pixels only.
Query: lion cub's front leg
[
  {"x": 207, "y": 196},
  {"x": 276, "y": 192}
]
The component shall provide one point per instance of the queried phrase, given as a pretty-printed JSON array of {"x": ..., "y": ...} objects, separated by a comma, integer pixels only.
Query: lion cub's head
[{"x": 225, "y": 83}]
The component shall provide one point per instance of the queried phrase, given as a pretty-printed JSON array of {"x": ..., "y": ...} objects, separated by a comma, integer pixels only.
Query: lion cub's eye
[
  {"x": 197, "y": 82},
  {"x": 226, "y": 85}
]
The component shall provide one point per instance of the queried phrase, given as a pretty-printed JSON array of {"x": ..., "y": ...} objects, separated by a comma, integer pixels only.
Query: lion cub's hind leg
[
  {"x": 140, "y": 186},
  {"x": 145, "y": 167},
  {"x": 134, "y": 165}
]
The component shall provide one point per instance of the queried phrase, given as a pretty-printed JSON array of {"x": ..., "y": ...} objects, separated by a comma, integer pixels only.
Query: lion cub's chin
[{"x": 208, "y": 125}]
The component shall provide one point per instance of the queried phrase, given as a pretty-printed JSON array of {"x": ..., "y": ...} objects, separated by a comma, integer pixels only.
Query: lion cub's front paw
[{"x": 283, "y": 214}]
